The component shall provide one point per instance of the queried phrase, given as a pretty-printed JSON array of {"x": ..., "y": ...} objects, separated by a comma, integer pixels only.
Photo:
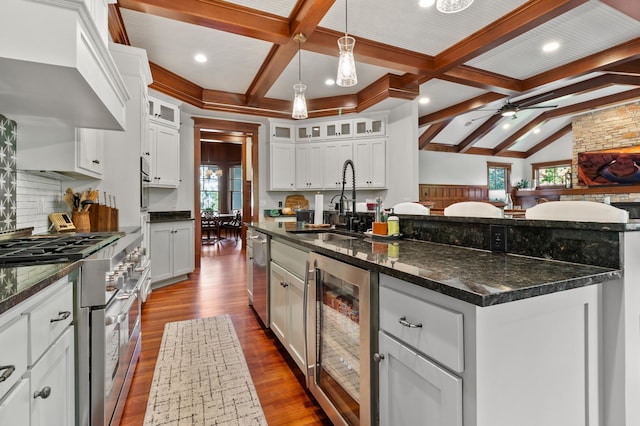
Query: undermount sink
[{"x": 326, "y": 236}]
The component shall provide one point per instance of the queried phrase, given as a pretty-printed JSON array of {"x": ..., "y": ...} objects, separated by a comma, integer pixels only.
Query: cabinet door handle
[
  {"x": 406, "y": 323},
  {"x": 44, "y": 393},
  {"x": 96, "y": 161},
  {"x": 378, "y": 357},
  {"x": 283, "y": 284},
  {"x": 8, "y": 371},
  {"x": 62, "y": 315}
]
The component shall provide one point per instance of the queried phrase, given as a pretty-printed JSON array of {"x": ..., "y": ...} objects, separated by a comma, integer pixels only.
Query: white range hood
[{"x": 54, "y": 62}]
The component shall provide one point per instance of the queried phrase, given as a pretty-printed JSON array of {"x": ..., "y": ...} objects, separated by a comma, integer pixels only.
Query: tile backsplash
[
  {"x": 37, "y": 196},
  {"x": 8, "y": 132}
]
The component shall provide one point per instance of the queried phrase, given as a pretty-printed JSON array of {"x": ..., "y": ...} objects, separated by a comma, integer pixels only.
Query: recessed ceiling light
[
  {"x": 426, "y": 3},
  {"x": 506, "y": 126},
  {"x": 424, "y": 100},
  {"x": 329, "y": 82},
  {"x": 200, "y": 58},
  {"x": 536, "y": 130},
  {"x": 551, "y": 46}
]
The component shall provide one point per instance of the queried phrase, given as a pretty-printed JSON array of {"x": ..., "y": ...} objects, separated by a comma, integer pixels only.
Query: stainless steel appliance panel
[
  {"x": 340, "y": 343},
  {"x": 260, "y": 274}
]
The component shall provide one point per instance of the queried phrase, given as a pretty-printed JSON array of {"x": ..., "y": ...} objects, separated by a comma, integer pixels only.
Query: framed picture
[{"x": 611, "y": 167}]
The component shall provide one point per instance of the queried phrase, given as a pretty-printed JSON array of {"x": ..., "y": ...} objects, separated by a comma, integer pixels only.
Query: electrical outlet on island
[{"x": 498, "y": 235}]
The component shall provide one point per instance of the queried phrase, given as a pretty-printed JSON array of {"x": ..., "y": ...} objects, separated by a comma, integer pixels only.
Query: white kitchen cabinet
[
  {"x": 165, "y": 113},
  {"x": 370, "y": 158},
  {"x": 286, "y": 293},
  {"x": 37, "y": 340},
  {"x": 486, "y": 364},
  {"x": 165, "y": 156},
  {"x": 415, "y": 390},
  {"x": 338, "y": 129},
  {"x": 48, "y": 145},
  {"x": 281, "y": 132},
  {"x": 171, "y": 250},
  {"x": 308, "y": 132},
  {"x": 309, "y": 168},
  {"x": 283, "y": 167},
  {"x": 364, "y": 126},
  {"x": 335, "y": 154},
  {"x": 53, "y": 384}
]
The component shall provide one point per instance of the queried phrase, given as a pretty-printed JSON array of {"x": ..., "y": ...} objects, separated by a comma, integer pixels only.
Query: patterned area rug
[{"x": 201, "y": 377}]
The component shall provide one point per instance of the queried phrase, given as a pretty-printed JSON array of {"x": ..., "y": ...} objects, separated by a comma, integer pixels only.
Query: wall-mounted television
[{"x": 609, "y": 167}]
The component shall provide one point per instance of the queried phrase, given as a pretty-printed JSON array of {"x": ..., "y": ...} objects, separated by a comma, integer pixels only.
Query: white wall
[{"x": 402, "y": 162}]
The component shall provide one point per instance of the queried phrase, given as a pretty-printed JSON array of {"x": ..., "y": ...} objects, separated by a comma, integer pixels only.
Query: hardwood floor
[{"x": 219, "y": 287}]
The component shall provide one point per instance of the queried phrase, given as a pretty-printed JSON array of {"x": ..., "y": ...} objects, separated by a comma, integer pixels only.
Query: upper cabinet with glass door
[
  {"x": 281, "y": 132},
  {"x": 309, "y": 132},
  {"x": 164, "y": 113},
  {"x": 369, "y": 127},
  {"x": 338, "y": 129}
]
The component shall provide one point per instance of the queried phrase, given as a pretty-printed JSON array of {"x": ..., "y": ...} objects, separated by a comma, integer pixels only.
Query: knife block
[
  {"x": 100, "y": 218},
  {"x": 81, "y": 220}
]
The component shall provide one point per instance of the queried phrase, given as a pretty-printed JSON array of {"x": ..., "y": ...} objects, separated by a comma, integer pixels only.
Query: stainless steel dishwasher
[{"x": 259, "y": 276}]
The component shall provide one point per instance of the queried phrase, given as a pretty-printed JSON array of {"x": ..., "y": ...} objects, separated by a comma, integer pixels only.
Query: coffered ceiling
[{"x": 468, "y": 64}]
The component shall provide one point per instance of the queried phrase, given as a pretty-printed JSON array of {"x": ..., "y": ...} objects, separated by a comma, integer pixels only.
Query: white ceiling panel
[
  {"x": 405, "y": 24},
  {"x": 233, "y": 61},
  {"x": 587, "y": 29},
  {"x": 276, "y": 7},
  {"x": 443, "y": 94}
]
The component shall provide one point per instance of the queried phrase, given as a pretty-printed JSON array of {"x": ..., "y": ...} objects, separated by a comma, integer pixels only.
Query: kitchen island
[{"x": 506, "y": 337}]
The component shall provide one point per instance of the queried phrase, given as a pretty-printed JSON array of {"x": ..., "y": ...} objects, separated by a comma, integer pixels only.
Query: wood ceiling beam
[
  {"x": 173, "y": 85},
  {"x": 432, "y": 131},
  {"x": 528, "y": 16},
  {"x": 461, "y": 108},
  {"x": 629, "y": 68},
  {"x": 117, "y": 30},
  {"x": 629, "y": 7},
  {"x": 482, "y": 79},
  {"x": 618, "y": 55},
  {"x": 548, "y": 141},
  {"x": 479, "y": 133},
  {"x": 307, "y": 17},
  {"x": 325, "y": 41},
  {"x": 221, "y": 137},
  {"x": 222, "y": 16}
]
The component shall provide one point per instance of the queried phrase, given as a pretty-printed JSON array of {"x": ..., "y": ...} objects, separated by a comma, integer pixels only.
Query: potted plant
[{"x": 522, "y": 184}]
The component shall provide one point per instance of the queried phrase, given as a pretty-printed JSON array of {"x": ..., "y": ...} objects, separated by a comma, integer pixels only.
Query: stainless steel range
[{"x": 108, "y": 308}]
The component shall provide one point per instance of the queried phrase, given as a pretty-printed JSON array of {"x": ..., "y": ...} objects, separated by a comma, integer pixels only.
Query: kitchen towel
[{"x": 317, "y": 218}]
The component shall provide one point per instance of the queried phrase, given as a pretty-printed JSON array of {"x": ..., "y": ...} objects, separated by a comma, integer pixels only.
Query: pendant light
[
  {"x": 452, "y": 6},
  {"x": 299, "y": 102},
  {"x": 346, "y": 64}
]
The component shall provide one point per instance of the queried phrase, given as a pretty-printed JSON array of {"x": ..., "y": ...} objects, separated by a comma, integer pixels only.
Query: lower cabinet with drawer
[
  {"x": 286, "y": 298},
  {"x": 529, "y": 362},
  {"x": 37, "y": 359}
]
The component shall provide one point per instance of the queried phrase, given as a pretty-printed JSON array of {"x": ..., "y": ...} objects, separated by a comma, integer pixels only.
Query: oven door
[{"x": 114, "y": 334}]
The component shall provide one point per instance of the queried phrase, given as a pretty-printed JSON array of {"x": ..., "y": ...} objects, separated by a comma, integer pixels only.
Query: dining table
[{"x": 212, "y": 223}]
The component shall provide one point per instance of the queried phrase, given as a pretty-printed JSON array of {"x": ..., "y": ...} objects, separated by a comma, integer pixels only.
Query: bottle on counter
[{"x": 393, "y": 225}]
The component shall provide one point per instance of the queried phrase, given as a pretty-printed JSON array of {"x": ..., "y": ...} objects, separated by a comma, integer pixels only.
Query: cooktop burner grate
[{"x": 53, "y": 248}]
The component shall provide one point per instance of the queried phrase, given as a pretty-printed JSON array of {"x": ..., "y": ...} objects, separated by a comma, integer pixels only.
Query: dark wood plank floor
[{"x": 219, "y": 287}]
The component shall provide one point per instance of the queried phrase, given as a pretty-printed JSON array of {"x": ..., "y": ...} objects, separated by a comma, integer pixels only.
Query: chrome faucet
[{"x": 353, "y": 191}]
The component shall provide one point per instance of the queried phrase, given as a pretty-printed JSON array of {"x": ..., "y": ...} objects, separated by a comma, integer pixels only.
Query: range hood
[{"x": 55, "y": 62}]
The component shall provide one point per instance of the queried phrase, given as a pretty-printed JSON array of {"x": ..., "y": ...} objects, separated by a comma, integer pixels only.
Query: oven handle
[{"x": 122, "y": 315}]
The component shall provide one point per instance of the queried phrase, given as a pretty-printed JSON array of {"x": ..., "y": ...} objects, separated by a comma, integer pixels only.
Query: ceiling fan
[{"x": 510, "y": 109}]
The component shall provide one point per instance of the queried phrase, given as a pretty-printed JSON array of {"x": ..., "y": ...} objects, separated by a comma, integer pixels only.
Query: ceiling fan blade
[
  {"x": 537, "y": 107},
  {"x": 535, "y": 100},
  {"x": 484, "y": 116}
]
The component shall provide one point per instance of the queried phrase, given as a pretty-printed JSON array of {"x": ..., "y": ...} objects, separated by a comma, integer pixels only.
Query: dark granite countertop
[
  {"x": 170, "y": 216},
  {"x": 480, "y": 277},
  {"x": 18, "y": 283}
]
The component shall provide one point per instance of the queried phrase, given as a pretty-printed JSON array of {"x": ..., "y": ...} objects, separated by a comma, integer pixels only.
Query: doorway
[{"x": 244, "y": 135}]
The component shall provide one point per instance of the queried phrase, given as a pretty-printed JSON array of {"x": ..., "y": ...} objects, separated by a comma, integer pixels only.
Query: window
[
  {"x": 235, "y": 187},
  {"x": 209, "y": 195},
  {"x": 498, "y": 175},
  {"x": 551, "y": 174}
]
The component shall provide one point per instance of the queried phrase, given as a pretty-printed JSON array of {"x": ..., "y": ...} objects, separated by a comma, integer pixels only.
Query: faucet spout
[{"x": 353, "y": 186}]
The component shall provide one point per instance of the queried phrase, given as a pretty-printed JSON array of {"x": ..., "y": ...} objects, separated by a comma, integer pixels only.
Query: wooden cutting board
[{"x": 296, "y": 202}]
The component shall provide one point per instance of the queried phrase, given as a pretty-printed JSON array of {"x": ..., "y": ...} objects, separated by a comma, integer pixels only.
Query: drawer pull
[
  {"x": 62, "y": 315},
  {"x": 8, "y": 371},
  {"x": 44, "y": 393},
  {"x": 406, "y": 323}
]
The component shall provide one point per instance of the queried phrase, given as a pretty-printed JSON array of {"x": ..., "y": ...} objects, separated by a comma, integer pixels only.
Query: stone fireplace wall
[{"x": 611, "y": 128}]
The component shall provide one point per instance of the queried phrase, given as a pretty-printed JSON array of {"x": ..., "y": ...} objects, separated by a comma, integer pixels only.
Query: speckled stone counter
[
  {"x": 19, "y": 283},
  {"x": 169, "y": 216},
  {"x": 480, "y": 277}
]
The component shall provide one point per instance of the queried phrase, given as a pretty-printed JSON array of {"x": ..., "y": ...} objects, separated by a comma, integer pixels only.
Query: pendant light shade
[
  {"x": 452, "y": 6},
  {"x": 299, "y": 102},
  {"x": 346, "y": 64},
  {"x": 299, "y": 111}
]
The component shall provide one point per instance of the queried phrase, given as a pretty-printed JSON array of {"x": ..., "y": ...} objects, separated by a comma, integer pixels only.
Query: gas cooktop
[{"x": 53, "y": 248}]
